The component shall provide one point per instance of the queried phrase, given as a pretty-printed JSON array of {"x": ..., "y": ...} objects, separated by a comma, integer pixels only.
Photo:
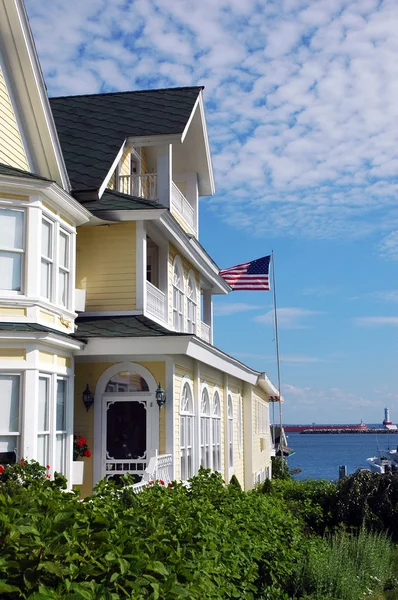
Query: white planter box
[{"x": 77, "y": 472}]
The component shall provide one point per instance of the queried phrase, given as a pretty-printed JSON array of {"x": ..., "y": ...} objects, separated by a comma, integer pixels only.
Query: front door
[{"x": 125, "y": 434}]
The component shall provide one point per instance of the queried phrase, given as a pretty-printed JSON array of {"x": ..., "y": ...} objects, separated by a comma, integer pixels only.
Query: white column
[
  {"x": 170, "y": 410},
  {"x": 140, "y": 235},
  {"x": 208, "y": 311},
  {"x": 164, "y": 277},
  {"x": 196, "y": 404},
  {"x": 32, "y": 251},
  {"x": 30, "y": 394},
  {"x": 164, "y": 170}
]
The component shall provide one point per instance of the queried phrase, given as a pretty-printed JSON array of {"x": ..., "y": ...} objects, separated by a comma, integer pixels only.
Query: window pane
[
  {"x": 42, "y": 421},
  {"x": 8, "y": 444},
  {"x": 60, "y": 444},
  {"x": 9, "y": 394},
  {"x": 42, "y": 449},
  {"x": 10, "y": 271},
  {"x": 63, "y": 288},
  {"x": 11, "y": 229},
  {"x": 45, "y": 282},
  {"x": 61, "y": 405},
  {"x": 63, "y": 250},
  {"x": 46, "y": 239}
]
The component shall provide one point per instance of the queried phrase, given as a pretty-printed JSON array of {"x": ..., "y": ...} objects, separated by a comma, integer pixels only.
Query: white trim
[
  {"x": 170, "y": 412},
  {"x": 207, "y": 144},
  {"x": 111, "y": 170},
  {"x": 184, "y": 133},
  {"x": 153, "y": 140},
  {"x": 178, "y": 268},
  {"x": 140, "y": 249},
  {"x": 99, "y": 417},
  {"x": 186, "y": 380},
  {"x": 144, "y": 214}
]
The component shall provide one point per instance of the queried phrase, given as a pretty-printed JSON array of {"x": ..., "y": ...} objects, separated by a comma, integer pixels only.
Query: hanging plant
[{"x": 80, "y": 447}]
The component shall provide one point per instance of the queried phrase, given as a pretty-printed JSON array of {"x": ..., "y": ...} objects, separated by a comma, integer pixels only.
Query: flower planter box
[{"x": 77, "y": 472}]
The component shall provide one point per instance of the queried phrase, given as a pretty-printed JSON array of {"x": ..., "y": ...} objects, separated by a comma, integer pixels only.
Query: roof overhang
[
  {"x": 50, "y": 190},
  {"x": 29, "y": 93},
  {"x": 44, "y": 337}
]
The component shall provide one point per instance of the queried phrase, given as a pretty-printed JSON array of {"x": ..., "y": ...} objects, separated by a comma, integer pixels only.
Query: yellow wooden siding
[
  {"x": 106, "y": 266},
  {"x": 12, "y": 354},
  {"x": 12, "y": 151},
  {"x": 112, "y": 182},
  {"x": 89, "y": 373},
  {"x": 144, "y": 163},
  {"x": 261, "y": 445},
  {"x": 187, "y": 266},
  {"x": 12, "y": 311},
  {"x": 125, "y": 163}
]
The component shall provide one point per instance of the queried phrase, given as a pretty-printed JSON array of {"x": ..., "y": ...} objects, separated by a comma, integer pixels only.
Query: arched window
[
  {"x": 240, "y": 428},
  {"x": 178, "y": 295},
  {"x": 186, "y": 431},
  {"x": 216, "y": 432},
  {"x": 127, "y": 382},
  {"x": 205, "y": 416},
  {"x": 192, "y": 303},
  {"x": 230, "y": 433}
]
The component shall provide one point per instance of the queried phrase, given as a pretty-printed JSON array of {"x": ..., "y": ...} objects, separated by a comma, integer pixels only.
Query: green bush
[{"x": 210, "y": 540}]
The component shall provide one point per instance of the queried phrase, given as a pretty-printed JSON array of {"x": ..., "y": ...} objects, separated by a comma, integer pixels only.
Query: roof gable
[{"x": 92, "y": 128}]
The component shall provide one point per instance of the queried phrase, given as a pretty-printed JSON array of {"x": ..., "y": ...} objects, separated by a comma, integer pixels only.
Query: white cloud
[
  {"x": 300, "y": 95},
  {"x": 376, "y": 321},
  {"x": 380, "y": 296},
  {"x": 334, "y": 397},
  {"x": 224, "y": 310},
  {"x": 299, "y": 359},
  {"x": 289, "y": 318}
]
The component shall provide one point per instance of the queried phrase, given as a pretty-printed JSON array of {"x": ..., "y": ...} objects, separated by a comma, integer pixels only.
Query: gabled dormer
[{"x": 151, "y": 145}]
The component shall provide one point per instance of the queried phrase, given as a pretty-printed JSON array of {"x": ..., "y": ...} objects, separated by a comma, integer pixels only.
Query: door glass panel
[{"x": 126, "y": 430}]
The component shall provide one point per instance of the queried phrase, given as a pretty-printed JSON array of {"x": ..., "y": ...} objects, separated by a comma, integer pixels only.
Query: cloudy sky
[{"x": 301, "y": 99}]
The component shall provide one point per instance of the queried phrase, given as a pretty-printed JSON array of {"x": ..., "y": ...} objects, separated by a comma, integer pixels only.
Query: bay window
[
  {"x": 55, "y": 263},
  {"x": 61, "y": 432},
  {"x": 43, "y": 421},
  {"x": 63, "y": 268},
  {"x": 47, "y": 259},
  {"x": 11, "y": 249},
  {"x": 10, "y": 390}
]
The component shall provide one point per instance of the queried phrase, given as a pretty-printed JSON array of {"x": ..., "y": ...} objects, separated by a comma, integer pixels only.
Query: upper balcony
[{"x": 145, "y": 185}]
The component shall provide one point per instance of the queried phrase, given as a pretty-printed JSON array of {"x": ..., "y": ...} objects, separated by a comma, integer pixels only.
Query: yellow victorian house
[{"x": 105, "y": 290}]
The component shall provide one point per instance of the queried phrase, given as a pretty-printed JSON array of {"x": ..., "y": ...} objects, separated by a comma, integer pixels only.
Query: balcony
[
  {"x": 155, "y": 302},
  {"x": 146, "y": 186},
  {"x": 205, "y": 332}
]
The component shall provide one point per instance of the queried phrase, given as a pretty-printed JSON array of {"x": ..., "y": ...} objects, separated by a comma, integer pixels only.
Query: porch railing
[
  {"x": 155, "y": 301},
  {"x": 182, "y": 206},
  {"x": 158, "y": 469},
  {"x": 205, "y": 332},
  {"x": 143, "y": 186}
]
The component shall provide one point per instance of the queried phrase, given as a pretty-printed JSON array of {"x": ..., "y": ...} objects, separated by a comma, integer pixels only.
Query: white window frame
[
  {"x": 205, "y": 429},
  {"x": 16, "y": 434},
  {"x": 65, "y": 270},
  {"x": 45, "y": 433},
  {"x": 240, "y": 425},
  {"x": 192, "y": 303},
  {"x": 187, "y": 418},
  {"x": 58, "y": 229},
  {"x": 230, "y": 432},
  {"x": 48, "y": 260},
  {"x": 61, "y": 434},
  {"x": 178, "y": 294},
  {"x": 216, "y": 431},
  {"x": 19, "y": 251}
]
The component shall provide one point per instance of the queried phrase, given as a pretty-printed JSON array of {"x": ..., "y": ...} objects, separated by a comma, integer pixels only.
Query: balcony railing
[
  {"x": 205, "y": 332},
  {"x": 155, "y": 301},
  {"x": 182, "y": 206},
  {"x": 158, "y": 469},
  {"x": 143, "y": 186}
]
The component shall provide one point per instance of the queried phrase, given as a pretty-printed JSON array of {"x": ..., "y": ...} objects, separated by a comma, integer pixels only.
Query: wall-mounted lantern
[
  {"x": 160, "y": 396},
  {"x": 88, "y": 398}
]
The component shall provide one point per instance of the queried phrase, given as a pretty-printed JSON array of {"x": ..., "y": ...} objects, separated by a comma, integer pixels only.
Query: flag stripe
[{"x": 252, "y": 275}]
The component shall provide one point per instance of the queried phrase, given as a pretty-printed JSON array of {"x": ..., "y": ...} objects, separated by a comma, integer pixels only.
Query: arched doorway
[{"x": 129, "y": 421}]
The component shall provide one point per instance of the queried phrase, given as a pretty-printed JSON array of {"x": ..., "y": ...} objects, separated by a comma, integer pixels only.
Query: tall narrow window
[
  {"x": 60, "y": 433},
  {"x": 192, "y": 303},
  {"x": 9, "y": 418},
  {"x": 47, "y": 259},
  {"x": 11, "y": 249},
  {"x": 63, "y": 268},
  {"x": 205, "y": 417},
  {"x": 230, "y": 432},
  {"x": 178, "y": 295},
  {"x": 216, "y": 432},
  {"x": 240, "y": 427},
  {"x": 43, "y": 421},
  {"x": 186, "y": 431}
]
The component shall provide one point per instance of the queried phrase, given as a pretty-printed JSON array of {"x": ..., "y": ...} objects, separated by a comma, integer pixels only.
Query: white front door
[{"x": 127, "y": 433}]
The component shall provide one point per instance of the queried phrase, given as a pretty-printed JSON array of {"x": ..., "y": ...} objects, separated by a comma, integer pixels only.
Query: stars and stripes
[{"x": 252, "y": 275}]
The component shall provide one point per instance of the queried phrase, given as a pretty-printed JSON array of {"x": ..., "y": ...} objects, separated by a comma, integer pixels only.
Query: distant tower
[{"x": 387, "y": 420}]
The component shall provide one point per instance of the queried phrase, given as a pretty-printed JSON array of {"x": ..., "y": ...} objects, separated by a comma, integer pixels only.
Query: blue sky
[{"x": 301, "y": 99}]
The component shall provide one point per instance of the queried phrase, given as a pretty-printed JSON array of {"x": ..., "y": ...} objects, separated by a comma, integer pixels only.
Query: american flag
[{"x": 252, "y": 275}]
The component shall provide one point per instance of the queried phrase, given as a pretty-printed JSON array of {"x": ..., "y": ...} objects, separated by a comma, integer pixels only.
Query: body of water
[{"x": 319, "y": 455}]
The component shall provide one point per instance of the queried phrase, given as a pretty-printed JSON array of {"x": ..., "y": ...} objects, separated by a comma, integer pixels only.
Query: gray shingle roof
[
  {"x": 128, "y": 326},
  {"x": 112, "y": 200},
  {"x": 92, "y": 128},
  {"x": 13, "y": 171}
]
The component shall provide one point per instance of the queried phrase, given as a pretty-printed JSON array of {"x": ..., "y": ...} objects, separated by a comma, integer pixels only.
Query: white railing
[
  {"x": 205, "y": 332},
  {"x": 158, "y": 469},
  {"x": 155, "y": 301},
  {"x": 182, "y": 206},
  {"x": 143, "y": 186}
]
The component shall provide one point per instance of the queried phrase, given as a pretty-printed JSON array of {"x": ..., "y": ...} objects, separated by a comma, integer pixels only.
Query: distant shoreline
[{"x": 348, "y": 430}]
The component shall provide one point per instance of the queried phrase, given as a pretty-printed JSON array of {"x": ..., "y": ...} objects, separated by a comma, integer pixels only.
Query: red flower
[
  {"x": 21, "y": 463},
  {"x": 1, "y": 469},
  {"x": 80, "y": 443},
  {"x": 87, "y": 454},
  {"x": 48, "y": 467},
  {"x": 161, "y": 482},
  {"x": 48, "y": 476},
  {"x": 170, "y": 485},
  {"x": 151, "y": 482}
]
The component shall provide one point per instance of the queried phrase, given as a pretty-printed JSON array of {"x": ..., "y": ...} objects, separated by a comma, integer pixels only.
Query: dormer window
[
  {"x": 11, "y": 249},
  {"x": 178, "y": 295}
]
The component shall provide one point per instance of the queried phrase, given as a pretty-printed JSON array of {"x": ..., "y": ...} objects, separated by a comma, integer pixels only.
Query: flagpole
[{"x": 277, "y": 362}]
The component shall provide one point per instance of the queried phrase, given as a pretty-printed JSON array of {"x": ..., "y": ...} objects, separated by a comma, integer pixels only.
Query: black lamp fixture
[
  {"x": 88, "y": 398},
  {"x": 160, "y": 396}
]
